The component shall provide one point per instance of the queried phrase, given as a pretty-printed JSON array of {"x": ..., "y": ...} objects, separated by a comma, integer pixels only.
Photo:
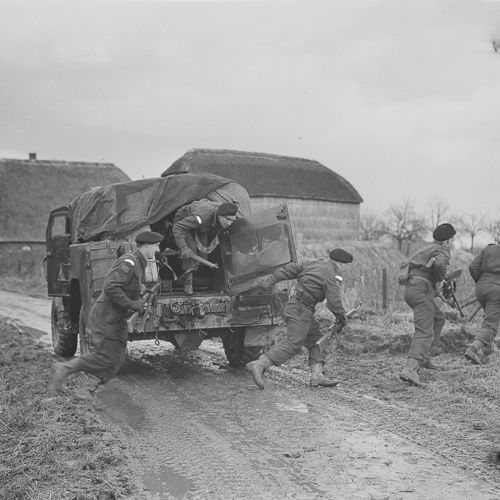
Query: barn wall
[
  {"x": 23, "y": 259},
  {"x": 316, "y": 220}
]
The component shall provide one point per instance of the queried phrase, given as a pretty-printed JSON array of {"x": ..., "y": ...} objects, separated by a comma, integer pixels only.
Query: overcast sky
[{"x": 402, "y": 98}]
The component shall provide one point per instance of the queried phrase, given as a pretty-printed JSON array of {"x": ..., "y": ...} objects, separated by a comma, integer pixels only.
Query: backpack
[{"x": 404, "y": 271}]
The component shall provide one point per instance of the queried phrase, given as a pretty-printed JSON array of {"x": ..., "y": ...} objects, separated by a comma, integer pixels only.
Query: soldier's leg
[
  {"x": 317, "y": 357},
  {"x": 298, "y": 320},
  {"x": 103, "y": 363},
  {"x": 491, "y": 320},
  {"x": 419, "y": 295},
  {"x": 188, "y": 264},
  {"x": 423, "y": 319}
]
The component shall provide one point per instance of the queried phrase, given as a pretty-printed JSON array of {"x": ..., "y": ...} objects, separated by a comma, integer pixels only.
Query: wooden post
[{"x": 384, "y": 288}]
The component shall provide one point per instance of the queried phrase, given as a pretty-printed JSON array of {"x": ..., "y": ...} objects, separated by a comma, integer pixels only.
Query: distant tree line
[{"x": 405, "y": 225}]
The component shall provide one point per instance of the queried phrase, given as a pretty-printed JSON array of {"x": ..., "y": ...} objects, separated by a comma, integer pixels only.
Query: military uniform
[
  {"x": 485, "y": 271},
  {"x": 427, "y": 270},
  {"x": 195, "y": 227},
  {"x": 420, "y": 293},
  {"x": 316, "y": 281},
  {"x": 107, "y": 318}
]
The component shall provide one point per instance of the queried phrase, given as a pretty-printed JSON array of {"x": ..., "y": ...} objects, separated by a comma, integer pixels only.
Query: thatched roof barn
[
  {"x": 322, "y": 203},
  {"x": 31, "y": 188}
]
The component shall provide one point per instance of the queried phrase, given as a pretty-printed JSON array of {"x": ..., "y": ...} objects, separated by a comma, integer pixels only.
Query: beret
[
  {"x": 148, "y": 237},
  {"x": 227, "y": 209},
  {"x": 339, "y": 255},
  {"x": 443, "y": 232}
]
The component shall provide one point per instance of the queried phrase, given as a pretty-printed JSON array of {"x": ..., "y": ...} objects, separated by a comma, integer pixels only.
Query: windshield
[{"x": 258, "y": 243}]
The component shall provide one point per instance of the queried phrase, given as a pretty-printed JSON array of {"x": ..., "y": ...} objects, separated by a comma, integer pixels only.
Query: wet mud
[{"x": 205, "y": 432}]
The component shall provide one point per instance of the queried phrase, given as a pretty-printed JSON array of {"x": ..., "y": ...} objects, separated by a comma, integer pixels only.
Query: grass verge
[{"x": 54, "y": 446}]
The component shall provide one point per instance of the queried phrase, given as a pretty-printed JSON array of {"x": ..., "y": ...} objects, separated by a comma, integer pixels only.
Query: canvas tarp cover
[{"x": 120, "y": 209}]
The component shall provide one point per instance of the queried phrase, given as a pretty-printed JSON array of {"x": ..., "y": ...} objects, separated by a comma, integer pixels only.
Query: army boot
[
  {"x": 318, "y": 379},
  {"x": 188, "y": 284},
  {"x": 258, "y": 368},
  {"x": 473, "y": 353},
  {"x": 430, "y": 364},
  {"x": 409, "y": 373},
  {"x": 61, "y": 371}
]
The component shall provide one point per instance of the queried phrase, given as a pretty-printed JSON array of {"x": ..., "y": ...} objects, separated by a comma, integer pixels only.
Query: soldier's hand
[
  {"x": 341, "y": 320},
  {"x": 186, "y": 253},
  {"x": 264, "y": 284},
  {"x": 137, "y": 305}
]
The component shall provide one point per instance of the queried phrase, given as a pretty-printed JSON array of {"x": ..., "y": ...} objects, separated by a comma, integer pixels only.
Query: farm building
[
  {"x": 29, "y": 190},
  {"x": 322, "y": 204}
]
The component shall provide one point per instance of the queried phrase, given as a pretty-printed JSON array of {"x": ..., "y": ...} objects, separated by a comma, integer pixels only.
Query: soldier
[
  {"x": 195, "y": 231},
  {"x": 316, "y": 280},
  {"x": 121, "y": 290},
  {"x": 485, "y": 271},
  {"x": 427, "y": 270}
]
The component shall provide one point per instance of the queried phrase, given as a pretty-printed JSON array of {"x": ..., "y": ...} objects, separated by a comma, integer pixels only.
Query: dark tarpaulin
[{"x": 119, "y": 209}]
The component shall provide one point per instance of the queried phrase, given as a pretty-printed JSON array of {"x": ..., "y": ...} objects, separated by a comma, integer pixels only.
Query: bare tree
[
  {"x": 492, "y": 225},
  {"x": 439, "y": 211},
  {"x": 371, "y": 226},
  {"x": 471, "y": 224},
  {"x": 404, "y": 224}
]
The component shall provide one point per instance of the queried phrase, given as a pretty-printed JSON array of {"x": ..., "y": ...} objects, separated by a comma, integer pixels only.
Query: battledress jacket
[
  {"x": 486, "y": 265},
  {"x": 121, "y": 286},
  {"x": 437, "y": 269},
  {"x": 317, "y": 278},
  {"x": 199, "y": 216}
]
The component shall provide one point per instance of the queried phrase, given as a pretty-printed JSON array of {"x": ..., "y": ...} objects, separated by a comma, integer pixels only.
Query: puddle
[
  {"x": 120, "y": 409},
  {"x": 167, "y": 482}
]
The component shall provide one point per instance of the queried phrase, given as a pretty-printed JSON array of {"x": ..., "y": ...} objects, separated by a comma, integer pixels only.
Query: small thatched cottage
[
  {"x": 322, "y": 204},
  {"x": 29, "y": 190}
]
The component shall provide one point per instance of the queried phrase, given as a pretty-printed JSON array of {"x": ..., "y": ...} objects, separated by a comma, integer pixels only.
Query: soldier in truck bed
[
  {"x": 427, "y": 269},
  {"x": 121, "y": 290},
  {"x": 317, "y": 280},
  {"x": 195, "y": 228},
  {"x": 485, "y": 271}
]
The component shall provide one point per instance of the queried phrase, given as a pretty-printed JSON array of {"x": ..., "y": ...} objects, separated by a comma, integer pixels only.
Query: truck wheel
[
  {"x": 64, "y": 337},
  {"x": 86, "y": 344},
  {"x": 236, "y": 352}
]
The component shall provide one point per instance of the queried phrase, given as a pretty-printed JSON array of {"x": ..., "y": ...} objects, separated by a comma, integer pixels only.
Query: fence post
[{"x": 384, "y": 288}]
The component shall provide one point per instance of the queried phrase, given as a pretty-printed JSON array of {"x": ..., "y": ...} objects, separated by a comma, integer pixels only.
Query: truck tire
[
  {"x": 234, "y": 346},
  {"x": 86, "y": 344},
  {"x": 64, "y": 337}
]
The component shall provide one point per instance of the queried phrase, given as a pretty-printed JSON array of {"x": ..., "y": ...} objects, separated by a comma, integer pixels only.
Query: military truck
[{"x": 85, "y": 237}]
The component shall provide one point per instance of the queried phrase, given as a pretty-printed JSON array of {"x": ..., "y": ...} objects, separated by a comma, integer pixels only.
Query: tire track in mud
[{"x": 227, "y": 439}]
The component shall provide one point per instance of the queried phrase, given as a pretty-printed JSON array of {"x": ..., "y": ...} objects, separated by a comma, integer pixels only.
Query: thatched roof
[
  {"x": 269, "y": 175},
  {"x": 30, "y": 189}
]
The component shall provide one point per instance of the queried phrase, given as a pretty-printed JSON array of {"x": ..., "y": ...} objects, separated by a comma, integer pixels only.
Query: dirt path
[{"x": 199, "y": 430}]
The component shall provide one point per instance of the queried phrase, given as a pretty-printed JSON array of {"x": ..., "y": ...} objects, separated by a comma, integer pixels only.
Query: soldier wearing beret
[
  {"x": 121, "y": 290},
  {"x": 427, "y": 270},
  {"x": 317, "y": 280},
  {"x": 195, "y": 231},
  {"x": 485, "y": 271}
]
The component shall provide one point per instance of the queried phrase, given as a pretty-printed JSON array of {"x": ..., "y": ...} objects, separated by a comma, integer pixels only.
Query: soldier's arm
[
  {"x": 184, "y": 226},
  {"x": 475, "y": 267},
  {"x": 331, "y": 289},
  {"x": 119, "y": 276},
  {"x": 441, "y": 263},
  {"x": 288, "y": 272}
]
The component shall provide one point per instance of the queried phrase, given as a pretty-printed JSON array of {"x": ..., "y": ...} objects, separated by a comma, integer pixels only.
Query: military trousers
[
  {"x": 488, "y": 296},
  {"x": 428, "y": 319},
  {"x": 191, "y": 243},
  {"x": 302, "y": 331},
  {"x": 109, "y": 336}
]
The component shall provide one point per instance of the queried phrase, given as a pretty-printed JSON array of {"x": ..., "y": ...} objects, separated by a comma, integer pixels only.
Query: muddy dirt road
[{"x": 201, "y": 430}]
